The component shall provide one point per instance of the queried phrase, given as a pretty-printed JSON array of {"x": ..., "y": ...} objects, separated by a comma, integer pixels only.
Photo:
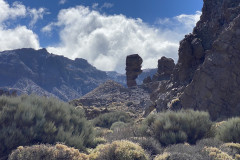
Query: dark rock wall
[
  {"x": 206, "y": 76},
  {"x": 216, "y": 84}
]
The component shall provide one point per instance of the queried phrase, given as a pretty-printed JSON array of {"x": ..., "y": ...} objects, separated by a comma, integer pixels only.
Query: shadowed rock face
[
  {"x": 133, "y": 69},
  {"x": 165, "y": 69},
  {"x": 207, "y": 75}
]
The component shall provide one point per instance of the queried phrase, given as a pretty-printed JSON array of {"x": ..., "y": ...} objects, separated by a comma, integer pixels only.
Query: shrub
[
  {"x": 47, "y": 152},
  {"x": 117, "y": 125},
  {"x": 164, "y": 156},
  {"x": 149, "y": 144},
  {"x": 107, "y": 119},
  {"x": 217, "y": 154},
  {"x": 177, "y": 127},
  {"x": 119, "y": 150},
  {"x": 229, "y": 131},
  {"x": 27, "y": 120},
  {"x": 123, "y": 133}
]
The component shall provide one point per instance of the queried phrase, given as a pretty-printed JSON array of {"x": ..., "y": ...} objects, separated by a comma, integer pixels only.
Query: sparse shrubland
[
  {"x": 47, "y": 152},
  {"x": 31, "y": 120},
  {"x": 28, "y": 120},
  {"x": 177, "y": 127},
  {"x": 119, "y": 150},
  {"x": 107, "y": 119}
]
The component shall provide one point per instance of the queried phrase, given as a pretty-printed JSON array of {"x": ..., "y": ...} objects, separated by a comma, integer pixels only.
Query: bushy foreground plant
[
  {"x": 189, "y": 152},
  {"x": 47, "y": 152},
  {"x": 27, "y": 120},
  {"x": 118, "y": 125},
  {"x": 149, "y": 144},
  {"x": 217, "y": 154},
  {"x": 229, "y": 131},
  {"x": 119, "y": 150},
  {"x": 177, "y": 127},
  {"x": 106, "y": 120}
]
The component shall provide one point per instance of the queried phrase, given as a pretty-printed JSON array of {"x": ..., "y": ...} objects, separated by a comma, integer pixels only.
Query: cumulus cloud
[
  {"x": 7, "y": 12},
  {"x": 36, "y": 14},
  {"x": 106, "y": 40},
  {"x": 20, "y": 36},
  {"x": 180, "y": 24}
]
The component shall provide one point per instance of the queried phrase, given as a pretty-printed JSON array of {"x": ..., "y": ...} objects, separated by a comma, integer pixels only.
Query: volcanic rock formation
[
  {"x": 207, "y": 75},
  {"x": 111, "y": 92},
  {"x": 165, "y": 69},
  {"x": 133, "y": 69}
]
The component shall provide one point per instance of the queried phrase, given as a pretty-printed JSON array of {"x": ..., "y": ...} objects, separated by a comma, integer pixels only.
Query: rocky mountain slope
[
  {"x": 37, "y": 71},
  {"x": 111, "y": 92},
  {"x": 207, "y": 74}
]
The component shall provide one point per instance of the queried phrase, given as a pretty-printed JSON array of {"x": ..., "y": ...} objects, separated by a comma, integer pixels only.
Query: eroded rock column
[{"x": 133, "y": 69}]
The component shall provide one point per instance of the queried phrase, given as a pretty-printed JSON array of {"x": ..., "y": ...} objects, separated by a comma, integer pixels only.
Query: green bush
[
  {"x": 149, "y": 144},
  {"x": 229, "y": 131},
  {"x": 117, "y": 125},
  {"x": 119, "y": 150},
  {"x": 177, "y": 127},
  {"x": 27, "y": 120},
  {"x": 106, "y": 120},
  {"x": 47, "y": 152}
]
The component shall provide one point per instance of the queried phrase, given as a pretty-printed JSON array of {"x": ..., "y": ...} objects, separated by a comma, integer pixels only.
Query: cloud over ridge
[
  {"x": 20, "y": 36},
  {"x": 106, "y": 40}
]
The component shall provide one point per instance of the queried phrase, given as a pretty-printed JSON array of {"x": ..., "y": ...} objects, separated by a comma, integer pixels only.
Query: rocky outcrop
[
  {"x": 111, "y": 92},
  {"x": 37, "y": 71},
  {"x": 165, "y": 69},
  {"x": 216, "y": 17},
  {"x": 133, "y": 69},
  {"x": 216, "y": 84},
  {"x": 207, "y": 75}
]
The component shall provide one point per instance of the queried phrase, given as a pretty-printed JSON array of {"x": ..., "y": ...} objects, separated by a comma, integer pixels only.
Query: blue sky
[{"x": 103, "y": 32}]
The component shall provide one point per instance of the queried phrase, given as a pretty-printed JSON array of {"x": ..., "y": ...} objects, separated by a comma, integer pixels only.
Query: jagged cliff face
[
  {"x": 207, "y": 75},
  {"x": 37, "y": 71},
  {"x": 216, "y": 17}
]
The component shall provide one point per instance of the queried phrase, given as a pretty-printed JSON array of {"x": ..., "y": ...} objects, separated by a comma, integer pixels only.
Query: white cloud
[
  {"x": 62, "y": 1},
  {"x": 106, "y": 40},
  {"x": 180, "y": 24},
  {"x": 95, "y": 5},
  {"x": 107, "y": 5},
  {"x": 36, "y": 14},
  {"x": 7, "y": 12},
  {"x": 20, "y": 36}
]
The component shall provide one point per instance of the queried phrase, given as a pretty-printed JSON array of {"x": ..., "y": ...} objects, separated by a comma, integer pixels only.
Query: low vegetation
[
  {"x": 119, "y": 150},
  {"x": 177, "y": 127},
  {"x": 47, "y": 152},
  {"x": 28, "y": 120},
  {"x": 106, "y": 120},
  {"x": 229, "y": 131}
]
